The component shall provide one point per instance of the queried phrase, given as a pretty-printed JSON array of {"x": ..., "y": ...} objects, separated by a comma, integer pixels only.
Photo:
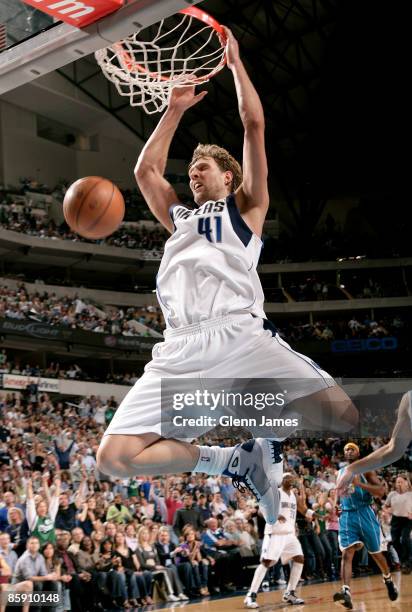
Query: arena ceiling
[{"x": 323, "y": 70}]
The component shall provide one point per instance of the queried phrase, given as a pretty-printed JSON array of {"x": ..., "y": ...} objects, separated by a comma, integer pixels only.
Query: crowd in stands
[
  {"x": 22, "y": 220},
  {"x": 328, "y": 242},
  {"x": 72, "y": 371},
  {"x": 343, "y": 329},
  {"x": 76, "y": 313},
  {"x": 314, "y": 288},
  {"x": 105, "y": 542}
]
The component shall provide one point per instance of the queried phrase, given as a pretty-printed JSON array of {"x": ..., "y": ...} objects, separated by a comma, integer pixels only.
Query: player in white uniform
[
  {"x": 212, "y": 301},
  {"x": 385, "y": 455},
  {"x": 280, "y": 542}
]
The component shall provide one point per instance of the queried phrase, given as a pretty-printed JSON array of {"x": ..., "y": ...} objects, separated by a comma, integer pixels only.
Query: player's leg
[
  {"x": 125, "y": 456},
  {"x": 272, "y": 547},
  {"x": 295, "y": 573},
  {"x": 343, "y": 596},
  {"x": 311, "y": 392},
  {"x": 146, "y": 452},
  {"x": 372, "y": 534},
  {"x": 293, "y": 551},
  {"x": 19, "y": 588},
  {"x": 382, "y": 563},
  {"x": 329, "y": 409},
  {"x": 258, "y": 576}
]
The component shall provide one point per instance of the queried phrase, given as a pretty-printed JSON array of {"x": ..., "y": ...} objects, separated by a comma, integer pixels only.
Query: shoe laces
[
  {"x": 275, "y": 450},
  {"x": 244, "y": 483}
]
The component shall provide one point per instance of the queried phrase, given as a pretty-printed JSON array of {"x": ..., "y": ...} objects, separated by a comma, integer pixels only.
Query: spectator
[
  {"x": 87, "y": 516},
  {"x": 173, "y": 501},
  {"x": 203, "y": 508},
  {"x": 189, "y": 514},
  {"x": 218, "y": 550},
  {"x": 6, "y": 551},
  {"x": 149, "y": 560},
  {"x": 63, "y": 454},
  {"x": 31, "y": 567},
  {"x": 118, "y": 512},
  {"x": 79, "y": 583},
  {"x": 399, "y": 503},
  {"x": 332, "y": 528},
  {"x": 53, "y": 565},
  {"x": 191, "y": 551},
  {"x": 9, "y": 501},
  {"x": 77, "y": 535},
  {"x": 17, "y": 529},
  {"x": 66, "y": 515},
  {"x": 41, "y": 516},
  {"x": 139, "y": 583},
  {"x": 217, "y": 505},
  {"x": 109, "y": 564},
  {"x": 167, "y": 551}
]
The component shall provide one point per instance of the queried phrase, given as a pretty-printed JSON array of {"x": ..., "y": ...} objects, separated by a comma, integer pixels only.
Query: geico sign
[
  {"x": 364, "y": 344},
  {"x": 78, "y": 13}
]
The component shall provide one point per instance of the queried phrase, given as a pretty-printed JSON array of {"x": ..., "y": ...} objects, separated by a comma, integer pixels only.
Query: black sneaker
[
  {"x": 392, "y": 590},
  {"x": 344, "y": 599}
]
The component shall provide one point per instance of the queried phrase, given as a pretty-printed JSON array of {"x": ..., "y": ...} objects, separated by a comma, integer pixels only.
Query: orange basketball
[{"x": 93, "y": 207}]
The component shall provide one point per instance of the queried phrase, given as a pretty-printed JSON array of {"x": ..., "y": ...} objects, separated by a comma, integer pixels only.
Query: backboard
[{"x": 35, "y": 43}]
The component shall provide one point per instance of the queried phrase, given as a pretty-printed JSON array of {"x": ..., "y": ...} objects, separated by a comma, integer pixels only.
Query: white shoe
[
  {"x": 172, "y": 598},
  {"x": 252, "y": 467},
  {"x": 250, "y": 601},
  {"x": 281, "y": 581},
  {"x": 292, "y": 598},
  {"x": 272, "y": 460},
  {"x": 183, "y": 597}
]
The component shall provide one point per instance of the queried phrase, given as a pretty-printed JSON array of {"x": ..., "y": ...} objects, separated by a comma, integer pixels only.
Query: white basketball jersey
[
  {"x": 287, "y": 509},
  {"x": 208, "y": 269}
]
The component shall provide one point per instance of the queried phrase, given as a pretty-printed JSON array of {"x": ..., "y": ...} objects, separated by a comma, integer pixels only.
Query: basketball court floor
[{"x": 368, "y": 594}]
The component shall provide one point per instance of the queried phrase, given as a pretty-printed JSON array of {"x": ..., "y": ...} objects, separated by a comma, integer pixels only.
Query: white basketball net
[{"x": 145, "y": 67}]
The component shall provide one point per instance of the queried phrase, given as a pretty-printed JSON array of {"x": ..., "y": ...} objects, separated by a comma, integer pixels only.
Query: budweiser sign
[{"x": 78, "y": 13}]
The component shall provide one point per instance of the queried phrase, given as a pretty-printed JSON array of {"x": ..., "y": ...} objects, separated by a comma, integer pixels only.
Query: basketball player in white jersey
[
  {"x": 385, "y": 455},
  {"x": 280, "y": 542},
  {"x": 212, "y": 301}
]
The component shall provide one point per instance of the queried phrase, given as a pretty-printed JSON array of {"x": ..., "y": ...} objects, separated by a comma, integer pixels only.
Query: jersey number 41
[{"x": 204, "y": 228}]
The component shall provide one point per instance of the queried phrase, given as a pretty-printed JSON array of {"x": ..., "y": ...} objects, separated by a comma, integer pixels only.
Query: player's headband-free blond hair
[
  {"x": 351, "y": 445},
  {"x": 224, "y": 160}
]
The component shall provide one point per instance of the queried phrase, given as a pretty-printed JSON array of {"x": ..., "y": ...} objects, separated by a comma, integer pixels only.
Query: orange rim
[{"x": 192, "y": 11}]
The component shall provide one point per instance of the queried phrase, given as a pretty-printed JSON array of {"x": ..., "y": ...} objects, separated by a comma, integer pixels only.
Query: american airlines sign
[{"x": 78, "y": 13}]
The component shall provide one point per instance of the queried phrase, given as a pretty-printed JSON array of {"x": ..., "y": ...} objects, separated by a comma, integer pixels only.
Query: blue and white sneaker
[{"x": 255, "y": 466}]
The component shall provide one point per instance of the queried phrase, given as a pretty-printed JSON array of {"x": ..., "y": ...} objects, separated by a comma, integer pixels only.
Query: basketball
[{"x": 93, "y": 207}]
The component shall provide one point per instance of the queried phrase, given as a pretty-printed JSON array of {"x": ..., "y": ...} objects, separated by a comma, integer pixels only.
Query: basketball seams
[
  {"x": 99, "y": 218},
  {"x": 86, "y": 195},
  {"x": 97, "y": 214}
]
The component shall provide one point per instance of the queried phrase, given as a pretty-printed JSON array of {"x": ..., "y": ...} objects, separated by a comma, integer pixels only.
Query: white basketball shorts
[
  {"x": 280, "y": 546},
  {"x": 238, "y": 346}
]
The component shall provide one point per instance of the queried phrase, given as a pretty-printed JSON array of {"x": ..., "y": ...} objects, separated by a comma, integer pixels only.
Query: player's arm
[
  {"x": 374, "y": 485},
  {"x": 151, "y": 164},
  {"x": 387, "y": 454},
  {"x": 252, "y": 197}
]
